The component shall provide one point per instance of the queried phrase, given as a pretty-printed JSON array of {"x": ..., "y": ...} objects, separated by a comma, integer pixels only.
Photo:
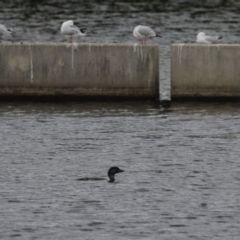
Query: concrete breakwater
[
  {"x": 36, "y": 70},
  {"x": 205, "y": 71}
]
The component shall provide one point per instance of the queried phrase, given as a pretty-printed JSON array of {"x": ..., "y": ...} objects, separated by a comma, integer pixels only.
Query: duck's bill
[{"x": 120, "y": 170}]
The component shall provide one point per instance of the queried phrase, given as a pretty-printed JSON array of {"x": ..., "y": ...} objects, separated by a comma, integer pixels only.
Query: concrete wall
[
  {"x": 205, "y": 71},
  {"x": 79, "y": 70}
]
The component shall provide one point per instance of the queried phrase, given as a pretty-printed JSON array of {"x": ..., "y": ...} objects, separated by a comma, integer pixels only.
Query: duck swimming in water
[{"x": 111, "y": 173}]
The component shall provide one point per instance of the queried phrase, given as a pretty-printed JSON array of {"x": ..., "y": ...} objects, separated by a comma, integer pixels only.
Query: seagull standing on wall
[
  {"x": 203, "y": 38},
  {"x": 70, "y": 30},
  {"x": 4, "y": 31},
  {"x": 144, "y": 32}
]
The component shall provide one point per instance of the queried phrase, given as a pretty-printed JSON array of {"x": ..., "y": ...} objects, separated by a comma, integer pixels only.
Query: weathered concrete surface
[
  {"x": 80, "y": 70},
  {"x": 205, "y": 71}
]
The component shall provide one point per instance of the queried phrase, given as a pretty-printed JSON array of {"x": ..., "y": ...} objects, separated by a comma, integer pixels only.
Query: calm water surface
[
  {"x": 181, "y": 162},
  {"x": 181, "y": 181}
]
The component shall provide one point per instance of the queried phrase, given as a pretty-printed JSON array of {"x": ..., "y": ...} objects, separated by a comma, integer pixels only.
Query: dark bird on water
[{"x": 111, "y": 173}]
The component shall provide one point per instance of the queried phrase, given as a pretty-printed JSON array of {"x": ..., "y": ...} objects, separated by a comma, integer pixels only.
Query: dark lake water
[{"x": 181, "y": 161}]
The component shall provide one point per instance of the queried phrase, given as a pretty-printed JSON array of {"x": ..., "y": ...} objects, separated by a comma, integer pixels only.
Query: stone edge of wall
[
  {"x": 214, "y": 93},
  {"x": 81, "y": 93}
]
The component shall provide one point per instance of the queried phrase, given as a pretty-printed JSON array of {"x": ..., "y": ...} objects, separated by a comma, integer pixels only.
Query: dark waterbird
[{"x": 111, "y": 173}]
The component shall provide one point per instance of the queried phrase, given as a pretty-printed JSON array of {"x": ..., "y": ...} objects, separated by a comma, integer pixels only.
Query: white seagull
[
  {"x": 144, "y": 32},
  {"x": 4, "y": 31},
  {"x": 69, "y": 30},
  {"x": 203, "y": 38}
]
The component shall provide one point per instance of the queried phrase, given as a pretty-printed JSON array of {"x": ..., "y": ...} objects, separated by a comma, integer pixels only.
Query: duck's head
[{"x": 112, "y": 171}]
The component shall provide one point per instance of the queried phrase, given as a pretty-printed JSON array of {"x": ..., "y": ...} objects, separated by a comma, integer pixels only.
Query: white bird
[
  {"x": 4, "y": 31},
  {"x": 144, "y": 32},
  {"x": 69, "y": 30},
  {"x": 203, "y": 38}
]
